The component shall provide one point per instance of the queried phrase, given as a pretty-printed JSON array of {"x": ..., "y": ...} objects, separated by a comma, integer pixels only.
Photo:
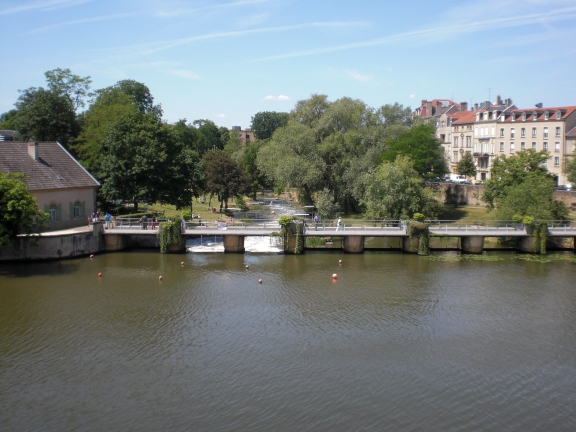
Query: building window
[
  {"x": 522, "y": 146},
  {"x": 475, "y": 132},
  {"x": 512, "y": 133},
  {"x": 455, "y": 157},
  {"x": 77, "y": 208},
  {"x": 468, "y": 141},
  {"x": 545, "y": 146},
  {"x": 513, "y": 117},
  {"x": 535, "y": 116},
  {"x": 558, "y": 131},
  {"x": 53, "y": 212},
  {"x": 511, "y": 148},
  {"x": 501, "y": 146},
  {"x": 502, "y": 133},
  {"x": 523, "y": 132},
  {"x": 558, "y": 115},
  {"x": 545, "y": 132},
  {"x": 455, "y": 141},
  {"x": 545, "y": 163},
  {"x": 523, "y": 116},
  {"x": 534, "y": 146},
  {"x": 557, "y": 161},
  {"x": 546, "y": 115},
  {"x": 557, "y": 147}
]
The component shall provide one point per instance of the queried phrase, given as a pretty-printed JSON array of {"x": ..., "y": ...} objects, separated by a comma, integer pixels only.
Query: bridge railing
[
  {"x": 359, "y": 224},
  {"x": 489, "y": 225},
  {"x": 251, "y": 224},
  {"x": 134, "y": 223},
  {"x": 560, "y": 225}
]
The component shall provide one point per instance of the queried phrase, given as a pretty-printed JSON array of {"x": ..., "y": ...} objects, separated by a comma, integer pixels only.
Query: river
[{"x": 398, "y": 342}]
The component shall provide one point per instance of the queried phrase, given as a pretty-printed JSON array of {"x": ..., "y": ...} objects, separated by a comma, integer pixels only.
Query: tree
[
  {"x": 422, "y": 146},
  {"x": 256, "y": 178},
  {"x": 190, "y": 136},
  {"x": 532, "y": 198},
  {"x": 143, "y": 159},
  {"x": 138, "y": 93},
  {"x": 309, "y": 111},
  {"x": 214, "y": 137},
  {"x": 45, "y": 115},
  {"x": 395, "y": 190},
  {"x": 64, "y": 82},
  {"x": 466, "y": 166},
  {"x": 19, "y": 211},
  {"x": 265, "y": 123},
  {"x": 233, "y": 144},
  {"x": 326, "y": 208},
  {"x": 223, "y": 176},
  {"x": 513, "y": 171},
  {"x": 7, "y": 119},
  {"x": 293, "y": 159},
  {"x": 570, "y": 169}
]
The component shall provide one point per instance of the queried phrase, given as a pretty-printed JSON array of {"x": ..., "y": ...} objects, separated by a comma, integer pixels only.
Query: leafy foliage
[
  {"x": 466, "y": 166},
  {"x": 397, "y": 191},
  {"x": 326, "y": 208},
  {"x": 143, "y": 159},
  {"x": 570, "y": 169},
  {"x": 169, "y": 233},
  {"x": 64, "y": 82},
  {"x": 223, "y": 176},
  {"x": 265, "y": 123},
  {"x": 19, "y": 211}
]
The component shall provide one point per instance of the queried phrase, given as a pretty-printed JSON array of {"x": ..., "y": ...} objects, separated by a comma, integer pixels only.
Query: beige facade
[{"x": 68, "y": 208}]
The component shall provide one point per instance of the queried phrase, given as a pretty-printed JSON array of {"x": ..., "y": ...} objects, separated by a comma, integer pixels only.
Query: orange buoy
[
  {"x": 182, "y": 263},
  {"x": 339, "y": 261},
  {"x": 159, "y": 278},
  {"x": 91, "y": 256},
  {"x": 259, "y": 280},
  {"x": 247, "y": 267},
  {"x": 334, "y": 276},
  {"x": 99, "y": 274}
]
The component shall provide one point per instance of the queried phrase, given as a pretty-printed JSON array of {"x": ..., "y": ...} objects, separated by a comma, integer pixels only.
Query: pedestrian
[
  {"x": 144, "y": 221},
  {"x": 339, "y": 225},
  {"x": 107, "y": 219},
  {"x": 316, "y": 220},
  {"x": 153, "y": 223}
]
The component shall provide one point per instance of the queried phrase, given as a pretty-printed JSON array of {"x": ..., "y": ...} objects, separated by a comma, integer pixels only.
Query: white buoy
[{"x": 334, "y": 276}]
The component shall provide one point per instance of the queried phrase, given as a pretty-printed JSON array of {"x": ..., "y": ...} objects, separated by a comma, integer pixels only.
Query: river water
[{"x": 398, "y": 342}]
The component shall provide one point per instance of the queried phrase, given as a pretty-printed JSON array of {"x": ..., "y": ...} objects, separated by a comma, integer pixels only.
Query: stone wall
[
  {"x": 46, "y": 246},
  {"x": 452, "y": 193}
]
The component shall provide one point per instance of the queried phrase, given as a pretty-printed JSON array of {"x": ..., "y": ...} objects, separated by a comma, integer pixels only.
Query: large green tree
[
  {"x": 256, "y": 179},
  {"x": 265, "y": 123},
  {"x": 224, "y": 178},
  {"x": 514, "y": 171},
  {"x": 395, "y": 190},
  {"x": 422, "y": 146},
  {"x": 45, "y": 115},
  {"x": 570, "y": 169},
  {"x": 143, "y": 159},
  {"x": 215, "y": 138},
  {"x": 466, "y": 166},
  {"x": 19, "y": 211},
  {"x": 74, "y": 87}
]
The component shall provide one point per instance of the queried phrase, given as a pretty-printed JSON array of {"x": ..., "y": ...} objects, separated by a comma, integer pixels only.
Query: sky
[{"x": 226, "y": 60}]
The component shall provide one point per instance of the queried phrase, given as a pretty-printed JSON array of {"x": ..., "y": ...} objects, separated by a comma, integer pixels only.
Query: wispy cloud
[
  {"x": 43, "y": 5},
  {"x": 440, "y": 33},
  {"x": 221, "y": 115},
  {"x": 412, "y": 96},
  {"x": 164, "y": 45},
  {"x": 276, "y": 98},
  {"x": 234, "y": 4},
  {"x": 80, "y": 21},
  {"x": 183, "y": 73},
  {"x": 357, "y": 76}
]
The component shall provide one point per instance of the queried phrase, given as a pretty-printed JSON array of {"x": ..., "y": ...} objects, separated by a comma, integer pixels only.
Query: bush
[
  {"x": 186, "y": 214},
  {"x": 528, "y": 221},
  {"x": 419, "y": 217},
  {"x": 517, "y": 219}
]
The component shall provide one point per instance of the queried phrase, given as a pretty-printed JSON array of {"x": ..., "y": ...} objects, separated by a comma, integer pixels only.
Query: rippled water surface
[{"x": 398, "y": 342}]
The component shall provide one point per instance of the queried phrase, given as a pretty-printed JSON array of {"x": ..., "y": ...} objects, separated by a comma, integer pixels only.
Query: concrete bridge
[{"x": 472, "y": 235}]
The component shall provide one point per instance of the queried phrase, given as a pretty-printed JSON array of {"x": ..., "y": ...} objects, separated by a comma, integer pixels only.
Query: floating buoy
[
  {"x": 334, "y": 276},
  {"x": 99, "y": 274},
  {"x": 159, "y": 278},
  {"x": 91, "y": 256},
  {"x": 259, "y": 280},
  {"x": 339, "y": 261},
  {"x": 247, "y": 267},
  {"x": 182, "y": 263}
]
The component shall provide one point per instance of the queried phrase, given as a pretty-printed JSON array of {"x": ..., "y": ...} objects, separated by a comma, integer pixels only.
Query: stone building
[{"x": 63, "y": 188}]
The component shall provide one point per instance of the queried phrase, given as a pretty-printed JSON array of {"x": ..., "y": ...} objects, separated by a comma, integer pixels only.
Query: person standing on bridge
[
  {"x": 316, "y": 220},
  {"x": 107, "y": 219},
  {"x": 339, "y": 225}
]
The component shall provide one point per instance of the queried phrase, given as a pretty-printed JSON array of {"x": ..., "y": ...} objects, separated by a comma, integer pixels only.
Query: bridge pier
[
  {"x": 353, "y": 244},
  {"x": 472, "y": 244},
  {"x": 291, "y": 247},
  {"x": 115, "y": 242},
  {"x": 406, "y": 246},
  {"x": 233, "y": 243},
  {"x": 526, "y": 244}
]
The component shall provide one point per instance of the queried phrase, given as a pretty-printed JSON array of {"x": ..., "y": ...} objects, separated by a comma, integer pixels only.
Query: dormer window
[
  {"x": 477, "y": 116},
  {"x": 534, "y": 116},
  {"x": 558, "y": 115},
  {"x": 513, "y": 117},
  {"x": 546, "y": 115},
  {"x": 523, "y": 116},
  {"x": 486, "y": 116}
]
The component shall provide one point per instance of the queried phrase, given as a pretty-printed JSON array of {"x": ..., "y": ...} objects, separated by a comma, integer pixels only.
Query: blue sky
[{"x": 226, "y": 60}]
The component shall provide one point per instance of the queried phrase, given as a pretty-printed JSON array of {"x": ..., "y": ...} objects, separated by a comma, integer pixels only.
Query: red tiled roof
[
  {"x": 54, "y": 168},
  {"x": 539, "y": 112},
  {"x": 459, "y": 114},
  {"x": 470, "y": 117}
]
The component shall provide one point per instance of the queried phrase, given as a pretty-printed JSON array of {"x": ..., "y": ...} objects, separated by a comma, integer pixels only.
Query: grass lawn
[{"x": 465, "y": 213}]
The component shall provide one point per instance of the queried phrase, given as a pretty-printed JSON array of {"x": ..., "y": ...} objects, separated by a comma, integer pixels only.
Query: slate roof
[
  {"x": 571, "y": 133},
  {"x": 54, "y": 169}
]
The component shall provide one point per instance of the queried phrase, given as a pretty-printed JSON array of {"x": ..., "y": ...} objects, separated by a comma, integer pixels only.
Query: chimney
[
  {"x": 463, "y": 106},
  {"x": 498, "y": 100},
  {"x": 475, "y": 107},
  {"x": 428, "y": 109},
  {"x": 487, "y": 104},
  {"x": 33, "y": 150}
]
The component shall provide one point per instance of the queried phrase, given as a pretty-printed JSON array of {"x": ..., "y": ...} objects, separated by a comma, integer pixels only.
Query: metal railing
[
  {"x": 472, "y": 225},
  {"x": 134, "y": 223}
]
